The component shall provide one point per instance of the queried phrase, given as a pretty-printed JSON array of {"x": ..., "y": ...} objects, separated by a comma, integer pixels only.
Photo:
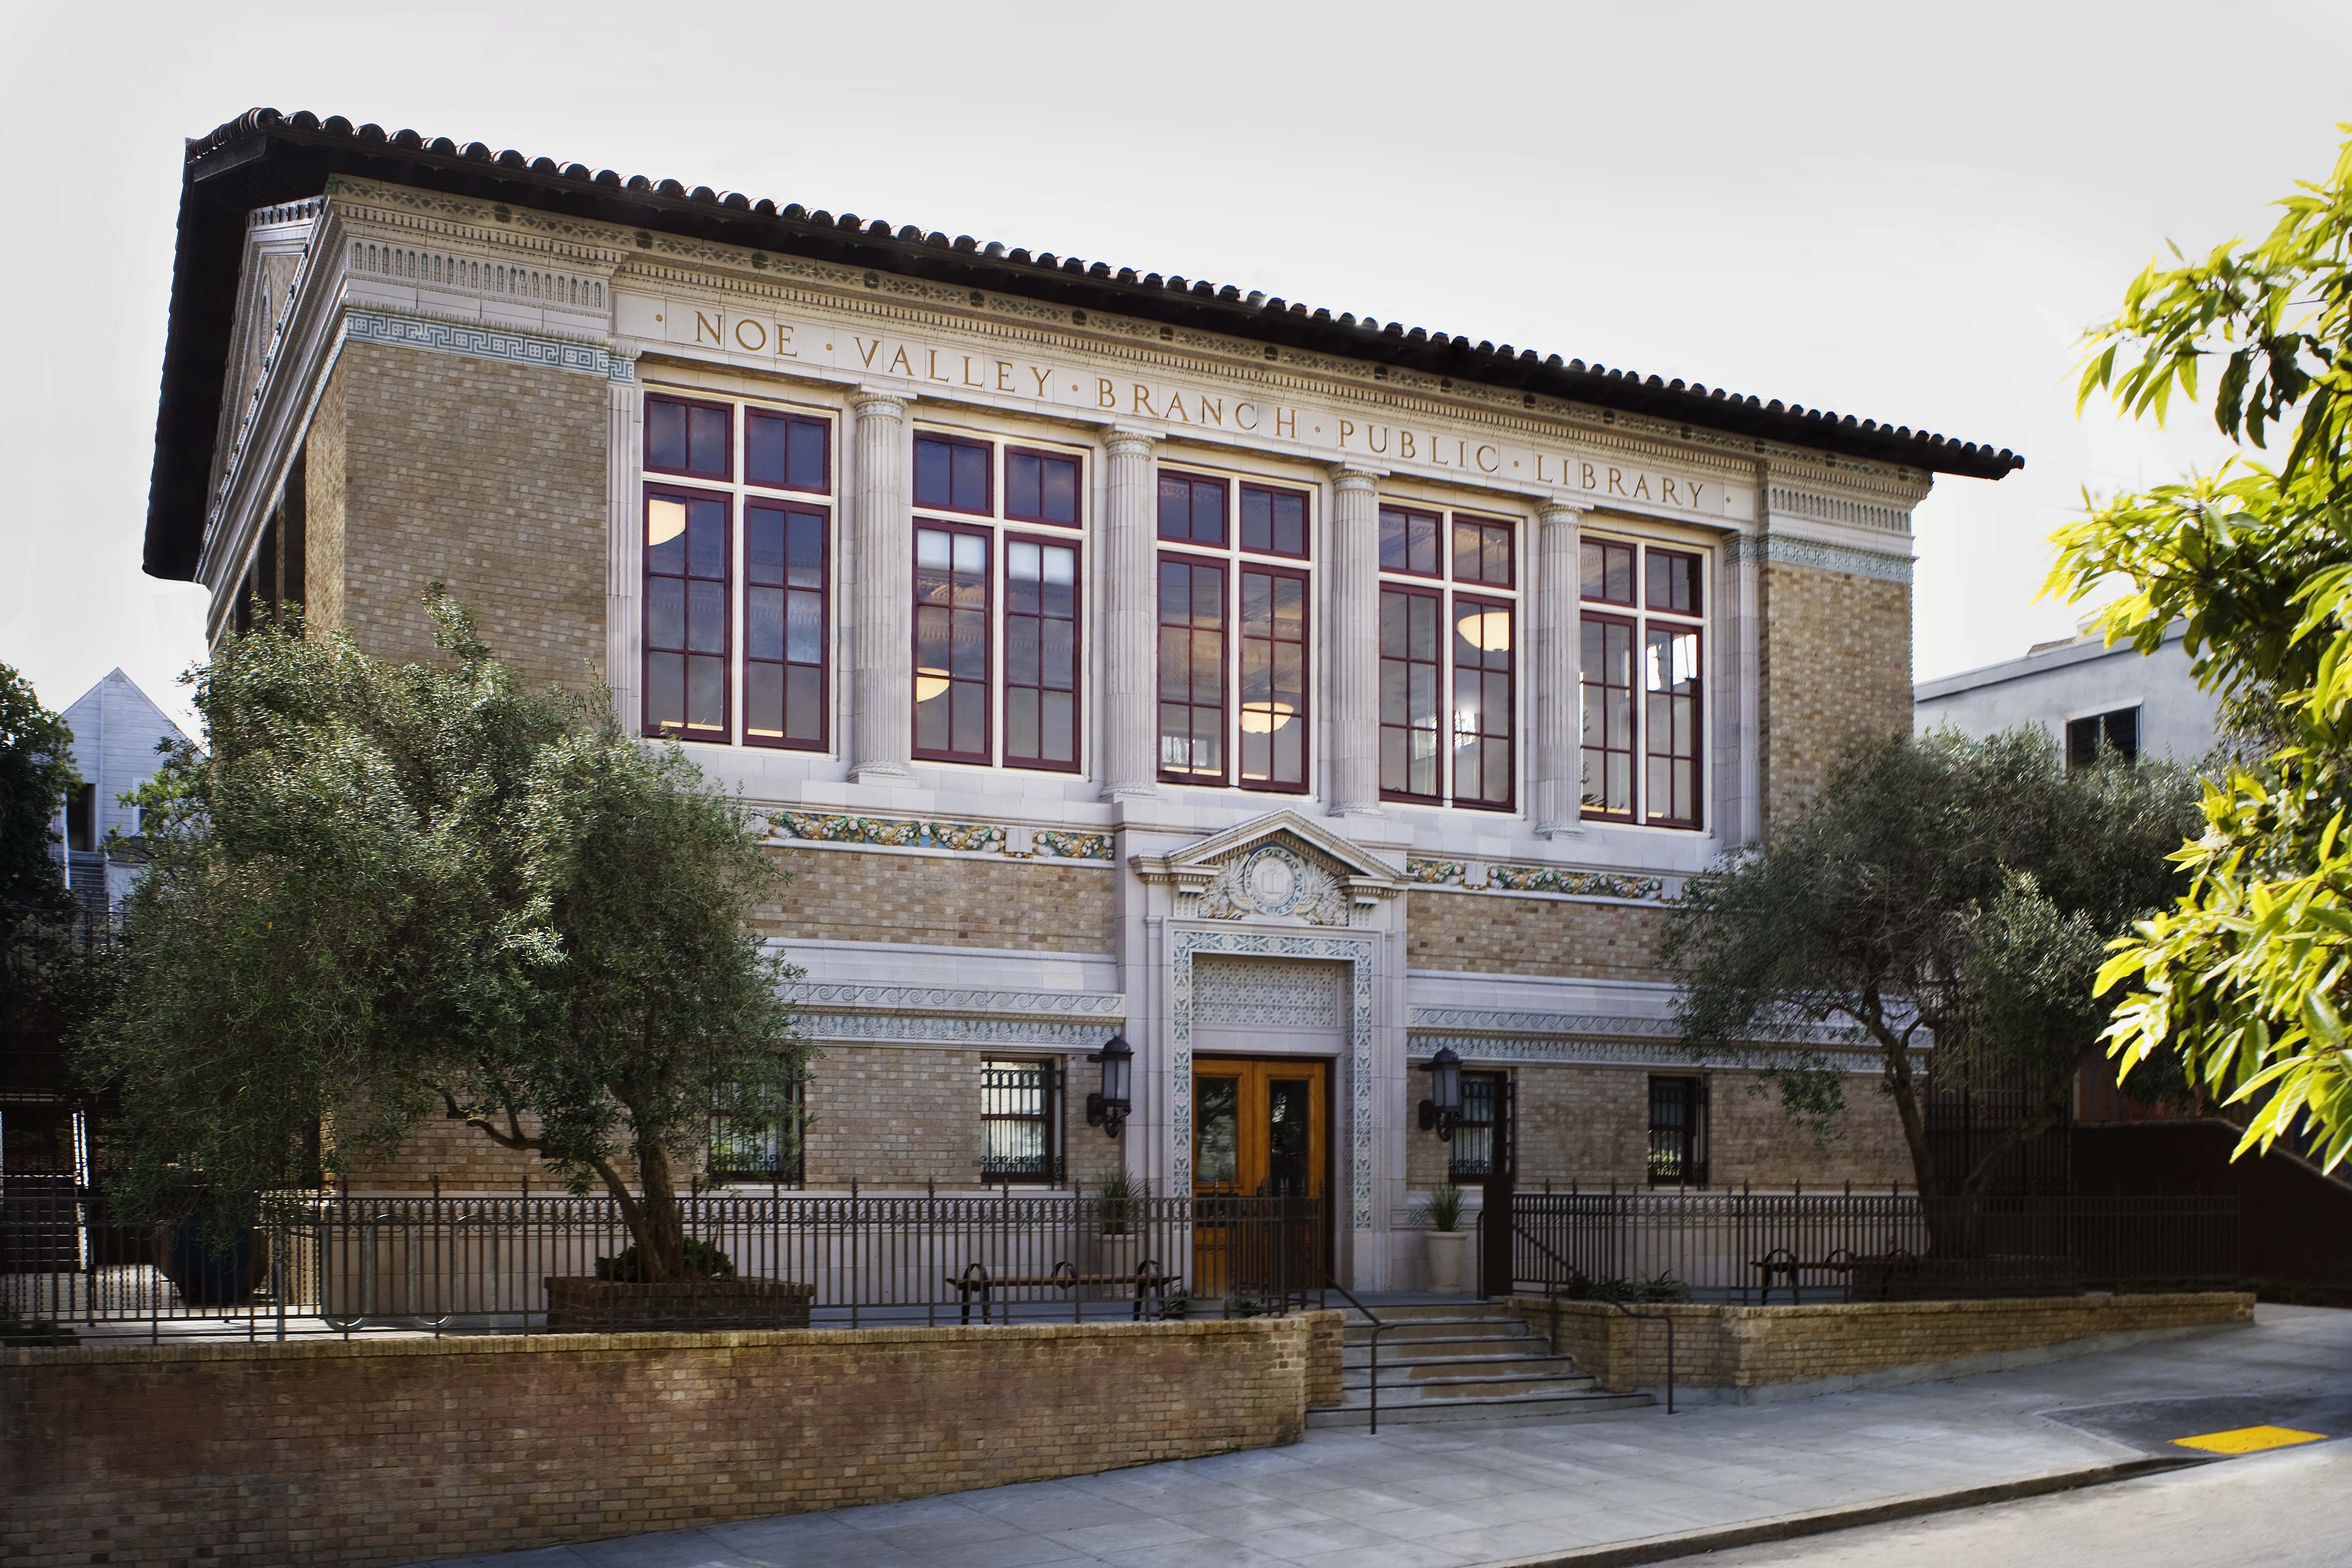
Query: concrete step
[
  {"x": 1482, "y": 1410},
  {"x": 1435, "y": 1328},
  {"x": 1421, "y": 1369}
]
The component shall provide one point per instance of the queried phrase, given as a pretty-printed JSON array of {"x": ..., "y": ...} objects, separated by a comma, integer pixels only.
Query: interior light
[{"x": 664, "y": 521}]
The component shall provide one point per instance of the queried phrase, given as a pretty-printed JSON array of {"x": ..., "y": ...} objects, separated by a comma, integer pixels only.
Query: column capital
[
  {"x": 1560, "y": 510},
  {"x": 1128, "y": 440},
  {"x": 879, "y": 402},
  {"x": 1357, "y": 475}
]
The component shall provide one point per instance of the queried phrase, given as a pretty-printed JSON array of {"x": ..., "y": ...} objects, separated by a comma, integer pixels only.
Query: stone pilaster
[
  {"x": 1352, "y": 652},
  {"x": 881, "y": 719},
  {"x": 1129, "y": 621},
  {"x": 1554, "y": 696},
  {"x": 625, "y": 554}
]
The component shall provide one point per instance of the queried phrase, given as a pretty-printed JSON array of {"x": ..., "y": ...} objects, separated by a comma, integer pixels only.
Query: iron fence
[
  {"x": 481, "y": 1263},
  {"x": 1757, "y": 1247}
]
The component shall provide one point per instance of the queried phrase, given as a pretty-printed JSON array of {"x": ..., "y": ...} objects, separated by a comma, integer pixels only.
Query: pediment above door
[{"x": 1281, "y": 867}]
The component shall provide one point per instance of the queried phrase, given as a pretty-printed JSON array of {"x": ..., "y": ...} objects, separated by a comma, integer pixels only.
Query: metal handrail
[
  {"x": 1378, "y": 1328},
  {"x": 1558, "y": 1293}
]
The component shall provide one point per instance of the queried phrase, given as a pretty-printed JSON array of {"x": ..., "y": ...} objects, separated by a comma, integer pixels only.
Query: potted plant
[
  {"x": 1118, "y": 1239},
  {"x": 1446, "y": 1239}
]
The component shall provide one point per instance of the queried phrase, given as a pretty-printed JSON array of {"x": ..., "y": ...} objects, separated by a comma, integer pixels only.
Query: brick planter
[{"x": 585, "y": 1306}]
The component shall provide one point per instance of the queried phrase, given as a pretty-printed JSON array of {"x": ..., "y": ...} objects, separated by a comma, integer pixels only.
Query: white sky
[{"x": 1902, "y": 212}]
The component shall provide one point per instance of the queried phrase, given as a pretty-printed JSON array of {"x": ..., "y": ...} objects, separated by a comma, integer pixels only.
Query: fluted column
[
  {"x": 1129, "y": 621},
  {"x": 1352, "y": 651},
  {"x": 1555, "y": 694},
  {"x": 881, "y": 601}
]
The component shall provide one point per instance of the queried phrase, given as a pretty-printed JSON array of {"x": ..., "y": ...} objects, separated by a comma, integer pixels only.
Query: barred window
[
  {"x": 1020, "y": 1121},
  {"x": 1471, "y": 1152},
  {"x": 759, "y": 1139},
  {"x": 1677, "y": 1131}
]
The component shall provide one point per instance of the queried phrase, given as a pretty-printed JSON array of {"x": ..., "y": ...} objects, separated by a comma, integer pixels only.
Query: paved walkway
[{"x": 1450, "y": 1497}]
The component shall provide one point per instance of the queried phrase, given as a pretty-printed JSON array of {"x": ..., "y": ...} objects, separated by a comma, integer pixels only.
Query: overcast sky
[{"x": 1906, "y": 213}]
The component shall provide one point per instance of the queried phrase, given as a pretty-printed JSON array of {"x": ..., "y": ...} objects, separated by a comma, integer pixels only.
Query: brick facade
[
  {"x": 1495, "y": 933},
  {"x": 1834, "y": 668},
  {"x": 1049, "y": 906},
  {"x": 483, "y": 475},
  {"x": 904, "y": 1116},
  {"x": 383, "y": 1451},
  {"x": 1756, "y": 1347}
]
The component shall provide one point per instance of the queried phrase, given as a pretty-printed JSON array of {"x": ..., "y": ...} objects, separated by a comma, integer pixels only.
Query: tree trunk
[{"x": 658, "y": 1226}]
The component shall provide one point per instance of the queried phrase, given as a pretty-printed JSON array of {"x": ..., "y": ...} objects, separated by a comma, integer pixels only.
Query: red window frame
[
  {"x": 1439, "y": 540},
  {"x": 1191, "y": 631},
  {"x": 1195, "y": 484},
  {"x": 1435, "y": 663},
  {"x": 1591, "y": 549},
  {"x": 1492, "y": 664},
  {"x": 1494, "y": 533},
  {"x": 726, "y": 411},
  {"x": 987, "y": 449},
  {"x": 1593, "y": 695},
  {"x": 986, "y": 680},
  {"x": 788, "y": 591},
  {"x": 1077, "y": 654},
  {"x": 1651, "y": 556},
  {"x": 1078, "y": 487},
  {"x": 685, "y": 651},
  {"x": 824, "y": 427},
  {"x": 1306, "y": 520},
  {"x": 1650, "y": 756},
  {"x": 1300, "y": 716}
]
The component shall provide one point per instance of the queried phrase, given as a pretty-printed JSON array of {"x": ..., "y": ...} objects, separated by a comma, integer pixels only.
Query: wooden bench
[
  {"x": 976, "y": 1280},
  {"x": 1783, "y": 1264}
]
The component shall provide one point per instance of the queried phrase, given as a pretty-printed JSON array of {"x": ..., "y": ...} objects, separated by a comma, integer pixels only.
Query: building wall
[
  {"x": 940, "y": 901},
  {"x": 1496, "y": 933},
  {"x": 1834, "y": 669},
  {"x": 383, "y": 1451},
  {"x": 2177, "y": 721},
  {"x": 486, "y": 476},
  {"x": 324, "y": 494}
]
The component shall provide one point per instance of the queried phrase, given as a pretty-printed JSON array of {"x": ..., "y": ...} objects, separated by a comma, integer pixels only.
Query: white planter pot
[
  {"x": 1447, "y": 1249},
  {"x": 1115, "y": 1255}
]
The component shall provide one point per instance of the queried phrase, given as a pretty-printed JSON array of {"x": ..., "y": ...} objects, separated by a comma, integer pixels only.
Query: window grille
[
  {"x": 1677, "y": 1132},
  {"x": 754, "y": 1140},
  {"x": 1471, "y": 1155},
  {"x": 1021, "y": 1120}
]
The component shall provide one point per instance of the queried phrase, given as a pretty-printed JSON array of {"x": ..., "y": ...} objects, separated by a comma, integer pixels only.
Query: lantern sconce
[
  {"x": 1108, "y": 1108},
  {"x": 1441, "y": 1111}
]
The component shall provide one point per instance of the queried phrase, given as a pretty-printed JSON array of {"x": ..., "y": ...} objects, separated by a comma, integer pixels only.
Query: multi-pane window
[
  {"x": 1677, "y": 1131},
  {"x": 1643, "y": 678},
  {"x": 686, "y": 653},
  {"x": 951, "y": 638},
  {"x": 1233, "y": 667},
  {"x": 997, "y": 649},
  {"x": 757, "y": 1137},
  {"x": 738, "y": 574},
  {"x": 1471, "y": 1154},
  {"x": 1448, "y": 659},
  {"x": 1020, "y": 1122},
  {"x": 2116, "y": 731}
]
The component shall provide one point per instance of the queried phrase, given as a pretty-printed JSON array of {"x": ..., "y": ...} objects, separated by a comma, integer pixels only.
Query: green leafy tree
[
  {"x": 36, "y": 773},
  {"x": 391, "y": 892},
  {"x": 2241, "y": 981},
  {"x": 1938, "y": 890}
]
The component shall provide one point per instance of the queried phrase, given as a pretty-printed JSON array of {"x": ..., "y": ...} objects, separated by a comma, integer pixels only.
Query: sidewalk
[{"x": 1450, "y": 1497}]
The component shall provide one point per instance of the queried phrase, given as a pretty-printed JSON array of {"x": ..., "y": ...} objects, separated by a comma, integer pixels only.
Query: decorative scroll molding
[
  {"x": 1358, "y": 952},
  {"x": 1661, "y": 1052},
  {"x": 1108, "y": 1006},
  {"x": 930, "y": 1029},
  {"x": 1739, "y": 547},
  {"x": 1500, "y": 1021},
  {"x": 484, "y": 342},
  {"x": 1467, "y": 875},
  {"x": 970, "y": 838}
]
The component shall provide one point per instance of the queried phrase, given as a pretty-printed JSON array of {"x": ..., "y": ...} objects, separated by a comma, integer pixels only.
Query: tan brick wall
[
  {"x": 386, "y": 1451},
  {"x": 1835, "y": 669},
  {"x": 322, "y": 488},
  {"x": 486, "y": 476},
  {"x": 940, "y": 901},
  {"x": 902, "y": 1116},
  {"x": 1754, "y": 1347},
  {"x": 1495, "y": 933}
]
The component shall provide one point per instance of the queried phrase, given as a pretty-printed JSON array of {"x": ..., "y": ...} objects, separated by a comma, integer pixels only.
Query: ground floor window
[
  {"x": 1677, "y": 1131},
  {"x": 756, "y": 1138},
  {"x": 1021, "y": 1120},
  {"x": 1471, "y": 1155}
]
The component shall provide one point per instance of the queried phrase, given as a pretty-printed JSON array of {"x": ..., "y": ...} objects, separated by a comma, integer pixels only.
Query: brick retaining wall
[
  {"x": 382, "y": 1451},
  {"x": 1733, "y": 1347}
]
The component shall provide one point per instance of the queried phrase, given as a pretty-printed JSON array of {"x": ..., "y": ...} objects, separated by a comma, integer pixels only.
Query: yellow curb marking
[{"x": 2250, "y": 1439}]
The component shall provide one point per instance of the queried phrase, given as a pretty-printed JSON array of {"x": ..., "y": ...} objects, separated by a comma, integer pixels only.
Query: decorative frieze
[
  {"x": 483, "y": 342},
  {"x": 1817, "y": 555},
  {"x": 1275, "y": 881},
  {"x": 1535, "y": 880},
  {"x": 969, "y": 837}
]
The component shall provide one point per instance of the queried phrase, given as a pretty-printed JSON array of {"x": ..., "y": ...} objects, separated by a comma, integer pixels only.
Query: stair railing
[
  {"x": 1558, "y": 1292},
  {"x": 1378, "y": 1328}
]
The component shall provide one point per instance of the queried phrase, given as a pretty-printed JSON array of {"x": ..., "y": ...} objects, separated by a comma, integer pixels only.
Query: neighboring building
[
  {"x": 2087, "y": 695},
  {"x": 116, "y": 733},
  {"x": 1293, "y": 694}
]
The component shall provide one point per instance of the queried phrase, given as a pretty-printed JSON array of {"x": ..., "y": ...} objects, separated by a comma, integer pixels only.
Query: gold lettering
[
  {"x": 1212, "y": 411},
  {"x": 703, "y": 323},
  {"x": 1588, "y": 473},
  {"x": 1251, "y": 424},
  {"x": 1382, "y": 444},
  {"x": 935, "y": 364},
  {"x": 967, "y": 373},
  {"x": 1176, "y": 408},
  {"x": 1347, "y": 429},
  {"x": 1104, "y": 394},
  {"x": 867, "y": 351},
  {"x": 1641, "y": 486},
  {"x": 1004, "y": 376},
  {"x": 1693, "y": 491},
  {"x": 1490, "y": 464},
  {"x": 742, "y": 342},
  {"x": 1666, "y": 491},
  {"x": 1142, "y": 400},
  {"x": 1616, "y": 483},
  {"x": 1539, "y": 473},
  {"x": 1404, "y": 443},
  {"x": 1043, "y": 376},
  {"x": 1459, "y": 445},
  {"x": 1286, "y": 423},
  {"x": 899, "y": 362},
  {"x": 783, "y": 336}
]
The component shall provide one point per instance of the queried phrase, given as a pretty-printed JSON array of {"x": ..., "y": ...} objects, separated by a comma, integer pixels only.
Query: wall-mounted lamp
[
  {"x": 1107, "y": 1109},
  {"x": 1441, "y": 1111}
]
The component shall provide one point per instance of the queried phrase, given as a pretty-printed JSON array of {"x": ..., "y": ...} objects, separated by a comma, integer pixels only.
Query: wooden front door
[{"x": 1259, "y": 1133}]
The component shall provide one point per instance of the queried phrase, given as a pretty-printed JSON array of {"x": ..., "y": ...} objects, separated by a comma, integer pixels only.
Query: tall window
[
  {"x": 1677, "y": 1131},
  {"x": 951, "y": 637},
  {"x": 718, "y": 667},
  {"x": 1643, "y": 682},
  {"x": 1448, "y": 657},
  {"x": 996, "y": 610},
  {"x": 1234, "y": 665},
  {"x": 1020, "y": 1122},
  {"x": 1471, "y": 1150},
  {"x": 754, "y": 1139}
]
